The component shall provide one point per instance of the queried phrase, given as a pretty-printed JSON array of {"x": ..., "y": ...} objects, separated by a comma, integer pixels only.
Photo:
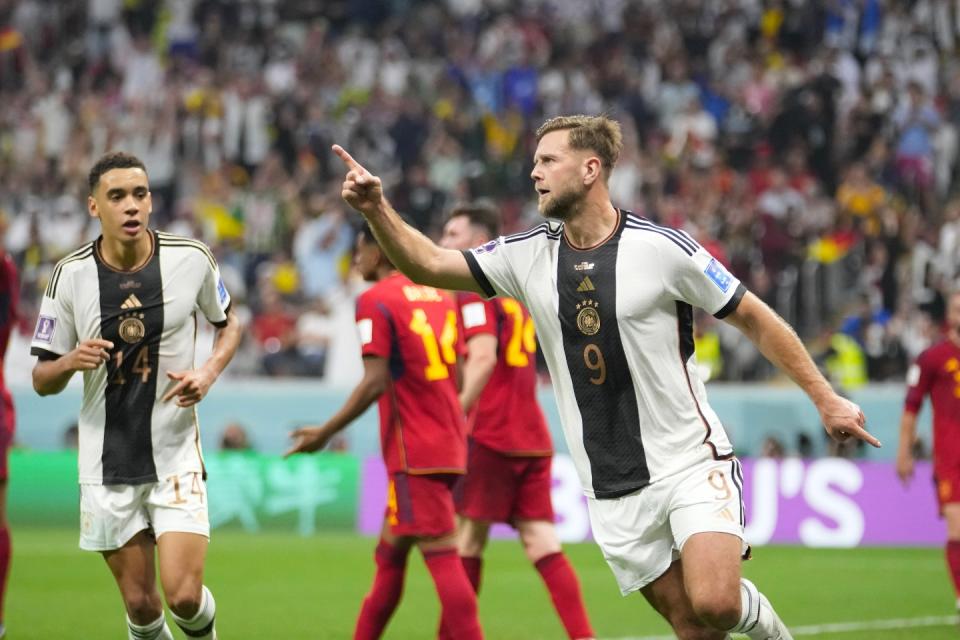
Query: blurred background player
[
  {"x": 410, "y": 344},
  {"x": 9, "y": 306},
  {"x": 509, "y": 450},
  {"x": 937, "y": 373},
  {"x": 122, "y": 309}
]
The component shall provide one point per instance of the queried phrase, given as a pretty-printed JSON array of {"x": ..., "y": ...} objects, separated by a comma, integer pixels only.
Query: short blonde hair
[{"x": 599, "y": 134}]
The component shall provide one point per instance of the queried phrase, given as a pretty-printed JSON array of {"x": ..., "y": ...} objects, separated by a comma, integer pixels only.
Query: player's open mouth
[
  {"x": 543, "y": 192},
  {"x": 131, "y": 226}
]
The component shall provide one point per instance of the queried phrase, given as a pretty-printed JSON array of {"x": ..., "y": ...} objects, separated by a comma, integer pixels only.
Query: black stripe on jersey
[
  {"x": 541, "y": 229},
  {"x": 131, "y": 316},
  {"x": 80, "y": 254},
  {"x": 736, "y": 474},
  {"x": 605, "y": 392},
  {"x": 732, "y": 303},
  {"x": 685, "y": 339},
  {"x": 477, "y": 272},
  {"x": 664, "y": 232},
  {"x": 678, "y": 235},
  {"x": 167, "y": 240}
]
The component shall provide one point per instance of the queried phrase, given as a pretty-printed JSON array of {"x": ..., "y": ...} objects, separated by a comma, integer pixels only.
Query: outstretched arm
[
  {"x": 780, "y": 344},
  {"x": 408, "y": 249},
  {"x": 376, "y": 375}
]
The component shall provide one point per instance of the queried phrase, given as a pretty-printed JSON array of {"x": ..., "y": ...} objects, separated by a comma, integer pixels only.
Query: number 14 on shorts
[{"x": 178, "y": 491}]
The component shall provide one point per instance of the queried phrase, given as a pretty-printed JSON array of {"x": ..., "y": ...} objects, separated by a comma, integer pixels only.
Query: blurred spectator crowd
[{"x": 810, "y": 145}]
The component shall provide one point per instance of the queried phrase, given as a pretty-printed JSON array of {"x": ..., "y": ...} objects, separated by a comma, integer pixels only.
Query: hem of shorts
[
  {"x": 735, "y": 530},
  {"x": 642, "y": 582},
  {"x": 205, "y": 532},
  {"x": 100, "y": 548}
]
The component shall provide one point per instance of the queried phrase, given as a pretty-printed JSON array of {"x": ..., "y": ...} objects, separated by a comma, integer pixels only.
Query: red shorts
[
  {"x": 421, "y": 506},
  {"x": 947, "y": 481},
  {"x": 502, "y": 488}
]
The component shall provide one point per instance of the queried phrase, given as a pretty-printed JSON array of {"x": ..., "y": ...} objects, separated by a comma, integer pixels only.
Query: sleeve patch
[
  {"x": 474, "y": 315},
  {"x": 719, "y": 274},
  {"x": 222, "y": 294},
  {"x": 913, "y": 375},
  {"x": 489, "y": 247},
  {"x": 365, "y": 329},
  {"x": 46, "y": 326}
]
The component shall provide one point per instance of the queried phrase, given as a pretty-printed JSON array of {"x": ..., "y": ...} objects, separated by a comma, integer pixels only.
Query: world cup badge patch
[
  {"x": 46, "y": 325},
  {"x": 719, "y": 274}
]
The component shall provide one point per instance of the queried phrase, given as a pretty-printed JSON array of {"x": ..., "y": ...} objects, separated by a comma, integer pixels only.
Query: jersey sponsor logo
[
  {"x": 365, "y": 330},
  {"x": 719, "y": 274},
  {"x": 586, "y": 285},
  {"x": 46, "y": 325},
  {"x": 132, "y": 302},
  {"x": 489, "y": 247},
  {"x": 474, "y": 315},
  {"x": 222, "y": 295},
  {"x": 588, "y": 318},
  {"x": 130, "y": 284},
  {"x": 584, "y": 266}
]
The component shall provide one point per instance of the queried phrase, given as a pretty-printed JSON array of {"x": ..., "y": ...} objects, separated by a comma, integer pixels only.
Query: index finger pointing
[
  {"x": 866, "y": 436},
  {"x": 347, "y": 158}
]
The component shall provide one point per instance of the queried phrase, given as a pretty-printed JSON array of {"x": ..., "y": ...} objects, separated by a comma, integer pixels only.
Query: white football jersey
[
  {"x": 127, "y": 435},
  {"x": 615, "y": 323}
]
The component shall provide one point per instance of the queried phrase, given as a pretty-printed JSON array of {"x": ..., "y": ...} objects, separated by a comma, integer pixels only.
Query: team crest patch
[
  {"x": 132, "y": 329},
  {"x": 222, "y": 294},
  {"x": 719, "y": 274},
  {"x": 588, "y": 318},
  {"x": 46, "y": 325},
  {"x": 489, "y": 247}
]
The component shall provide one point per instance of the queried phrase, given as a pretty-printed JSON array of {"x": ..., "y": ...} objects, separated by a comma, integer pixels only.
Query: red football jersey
[
  {"x": 9, "y": 313},
  {"x": 422, "y": 429},
  {"x": 937, "y": 372},
  {"x": 507, "y": 417}
]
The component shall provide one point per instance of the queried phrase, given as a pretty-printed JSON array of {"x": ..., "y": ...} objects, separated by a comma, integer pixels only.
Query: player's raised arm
[
  {"x": 780, "y": 344},
  {"x": 409, "y": 250}
]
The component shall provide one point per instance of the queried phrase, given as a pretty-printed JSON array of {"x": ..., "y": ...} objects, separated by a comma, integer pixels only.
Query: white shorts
[
  {"x": 642, "y": 533},
  {"x": 112, "y": 514}
]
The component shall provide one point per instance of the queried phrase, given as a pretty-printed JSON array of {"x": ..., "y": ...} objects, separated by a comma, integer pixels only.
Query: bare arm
[
  {"x": 780, "y": 344},
  {"x": 908, "y": 436},
  {"x": 481, "y": 361},
  {"x": 51, "y": 376},
  {"x": 376, "y": 375},
  {"x": 409, "y": 250},
  {"x": 192, "y": 385}
]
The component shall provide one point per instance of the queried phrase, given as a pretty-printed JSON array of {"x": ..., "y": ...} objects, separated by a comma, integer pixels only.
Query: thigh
[
  {"x": 421, "y": 506},
  {"x": 472, "y": 537},
  {"x": 181, "y": 558},
  {"x": 488, "y": 491},
  {"x": 132, "y": 566},
  {"x": 711, "y": 568},
  {"x": 634, "y": 537},
  {"x": 111, "y": 515},
  {"x": 667, "y": 595},
  {"x": 178, "y": 504}
]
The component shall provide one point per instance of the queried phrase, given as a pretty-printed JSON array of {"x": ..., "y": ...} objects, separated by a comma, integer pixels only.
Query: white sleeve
[
  {"x": 56, "y": 330},
  {"x": 213, "y": 299},
  {"x": 697, "y": 278},
  {"x": 494, "y": 267}
]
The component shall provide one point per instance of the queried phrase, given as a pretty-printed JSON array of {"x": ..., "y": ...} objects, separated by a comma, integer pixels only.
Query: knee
[
  {"x": 142, "y": 605},
  {"x": 539, "y": 540},
  {"x": 184, "y": 600},
  {"x": 719, "y": 610}
]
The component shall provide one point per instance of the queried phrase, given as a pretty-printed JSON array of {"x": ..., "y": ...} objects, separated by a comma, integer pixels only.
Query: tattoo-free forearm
[
  {"x": 51, "y": 376},
  {"x": 908, "y": 431},
  {"x": 226, "y": 340}
]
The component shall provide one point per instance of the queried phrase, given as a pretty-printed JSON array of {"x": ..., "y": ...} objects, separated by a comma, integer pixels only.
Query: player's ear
[
  {"x": 92, "y": 207},
  {"x": 592, "y": 170}
]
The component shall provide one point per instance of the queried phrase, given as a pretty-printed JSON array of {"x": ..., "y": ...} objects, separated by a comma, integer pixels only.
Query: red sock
[
  {"x": 564, "y": 590},
  {"x": 473, "y": 567},
  {"x": 4, "y": 564},
  {"x": 953, "y": 562},
  {"x": 458, "y": 602},
  {"x": 385, "y": 593}
]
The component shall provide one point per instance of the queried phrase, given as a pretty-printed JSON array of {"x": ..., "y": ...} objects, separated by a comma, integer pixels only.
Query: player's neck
[
  {"x": 124, "y": 256},
  {"x": 592, "y": 224}
]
